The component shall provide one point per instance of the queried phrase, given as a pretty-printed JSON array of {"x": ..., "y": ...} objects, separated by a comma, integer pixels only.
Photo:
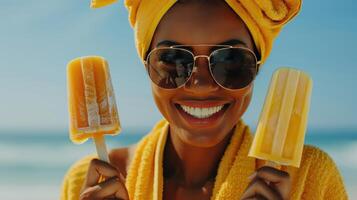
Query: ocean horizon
[{"x": 33, "y": 163}]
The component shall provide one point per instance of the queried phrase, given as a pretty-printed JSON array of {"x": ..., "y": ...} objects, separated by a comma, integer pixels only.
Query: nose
[{"x": 201, "y": 80}]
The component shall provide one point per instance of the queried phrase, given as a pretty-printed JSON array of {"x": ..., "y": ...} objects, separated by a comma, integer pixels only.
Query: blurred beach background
[{"x": 39, "y": 37}]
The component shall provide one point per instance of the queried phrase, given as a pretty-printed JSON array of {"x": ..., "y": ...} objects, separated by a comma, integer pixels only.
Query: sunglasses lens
[
  {"x": 169, "y": 67},
  {"x": 233, "y": 68}
]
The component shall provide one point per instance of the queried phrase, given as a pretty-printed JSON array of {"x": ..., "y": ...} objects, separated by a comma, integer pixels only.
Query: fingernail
[
  {"x": 88, "y": 191},
  {"x": 252, "y": 176},
  {"x": 97, "y": 187}
]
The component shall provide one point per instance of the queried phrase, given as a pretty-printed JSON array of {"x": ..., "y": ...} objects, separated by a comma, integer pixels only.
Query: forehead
[{"x": 201, "y": 22}]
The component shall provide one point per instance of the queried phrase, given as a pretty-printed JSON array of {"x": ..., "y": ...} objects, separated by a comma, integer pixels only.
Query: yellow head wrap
[{"x": 264, "y": 19}]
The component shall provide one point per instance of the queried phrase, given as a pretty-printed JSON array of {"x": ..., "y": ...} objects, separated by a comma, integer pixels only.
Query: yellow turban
[{"x": 264, "y": 19}]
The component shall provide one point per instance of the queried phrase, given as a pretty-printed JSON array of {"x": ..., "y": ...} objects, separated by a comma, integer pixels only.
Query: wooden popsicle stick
[
  {"x": 101, "y": 151},
  {"x": 273, "y": 165},
  {"x": 101, "y": 148}
]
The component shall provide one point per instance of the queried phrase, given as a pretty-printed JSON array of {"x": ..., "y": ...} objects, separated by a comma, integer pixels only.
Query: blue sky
[{"x": 39, "y": 37}]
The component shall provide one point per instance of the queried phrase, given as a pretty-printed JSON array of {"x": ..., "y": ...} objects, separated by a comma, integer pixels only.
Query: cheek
[
  {"x": 162, "y": 100},
  {"x": 242, "y": 102},
  {"x": 246, "y": 101}
]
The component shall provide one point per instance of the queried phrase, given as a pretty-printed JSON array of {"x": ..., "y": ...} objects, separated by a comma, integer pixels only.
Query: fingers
[
  {"x": 259, "y": 189},
  {"x": 112, "y": 187},
  {"x": 279, "y": 180},
  {"x": 268, "y": 183},
  {"x": 272, "y": 175},
  {"x": 98, "y": 168}
]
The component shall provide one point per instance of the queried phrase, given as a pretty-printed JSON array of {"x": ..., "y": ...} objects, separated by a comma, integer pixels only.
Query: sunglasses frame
[{"x": 194, "y": 68}]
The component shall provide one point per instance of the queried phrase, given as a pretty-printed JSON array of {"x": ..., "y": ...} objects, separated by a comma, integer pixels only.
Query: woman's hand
[
  {"x": 268, "y": 183},
  {"x": 112, "y": 188}
]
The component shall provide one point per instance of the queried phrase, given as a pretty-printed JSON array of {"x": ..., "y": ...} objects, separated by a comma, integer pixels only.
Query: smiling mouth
[{"x": 203, "y": 112}]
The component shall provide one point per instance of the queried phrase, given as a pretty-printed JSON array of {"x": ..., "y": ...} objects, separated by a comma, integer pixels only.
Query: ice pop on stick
[
  {"x": 280, "y": 133},
  {"x": 101, "y": 3},
  {"x": 91, "y": 101}
]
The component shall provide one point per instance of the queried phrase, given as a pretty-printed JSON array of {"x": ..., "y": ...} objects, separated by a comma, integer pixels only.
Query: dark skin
[{"x": 188, "y": 171}]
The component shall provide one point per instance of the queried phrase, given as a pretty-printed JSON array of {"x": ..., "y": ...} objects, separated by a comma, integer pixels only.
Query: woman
[{"x": 202, "y": 57}]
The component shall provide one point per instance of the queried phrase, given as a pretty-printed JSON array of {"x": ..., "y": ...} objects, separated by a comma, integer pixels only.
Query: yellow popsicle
[
  {"x": 282, "y": 125},
  {"x": 91, "y": 101}
]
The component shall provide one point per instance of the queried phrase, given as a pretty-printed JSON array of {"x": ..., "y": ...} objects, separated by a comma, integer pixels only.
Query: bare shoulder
[{"x": 122, "y": 157}]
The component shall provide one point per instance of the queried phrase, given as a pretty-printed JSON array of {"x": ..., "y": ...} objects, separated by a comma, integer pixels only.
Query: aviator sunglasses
[{"x": 231, "y": 67}]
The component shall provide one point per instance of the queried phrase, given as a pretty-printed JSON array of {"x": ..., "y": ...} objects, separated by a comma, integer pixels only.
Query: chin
[{"x": 203, "y": 139}]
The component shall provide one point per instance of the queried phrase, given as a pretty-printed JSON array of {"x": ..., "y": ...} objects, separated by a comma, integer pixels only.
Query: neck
[{"x": 190, "y": 165}]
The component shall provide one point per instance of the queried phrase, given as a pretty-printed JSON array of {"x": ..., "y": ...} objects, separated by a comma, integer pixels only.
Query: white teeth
[{"x": 201, "y": 112}]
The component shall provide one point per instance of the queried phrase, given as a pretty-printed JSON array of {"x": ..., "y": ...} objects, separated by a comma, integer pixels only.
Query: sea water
[{"x": 32, "y": 164}]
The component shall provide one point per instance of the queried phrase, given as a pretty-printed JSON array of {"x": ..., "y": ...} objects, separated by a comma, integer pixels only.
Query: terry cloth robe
[{"x": 317, "y": 178}]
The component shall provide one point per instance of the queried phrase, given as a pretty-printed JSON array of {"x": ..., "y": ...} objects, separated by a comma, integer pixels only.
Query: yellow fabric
[
  {"x": 317, "y": 178},
  {"x": 74, "y": 179},
  {"x": 264, "y": 19}
]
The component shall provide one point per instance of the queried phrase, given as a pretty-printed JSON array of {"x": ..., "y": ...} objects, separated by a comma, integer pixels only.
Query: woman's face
[{"x": 201, "y": 22}]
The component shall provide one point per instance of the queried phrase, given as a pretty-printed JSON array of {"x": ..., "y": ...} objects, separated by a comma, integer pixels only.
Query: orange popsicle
[
  {"x": 282, "y": 125},
  {"x": 92, "y": 106},
  {"x": 101, "y": 3}
]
